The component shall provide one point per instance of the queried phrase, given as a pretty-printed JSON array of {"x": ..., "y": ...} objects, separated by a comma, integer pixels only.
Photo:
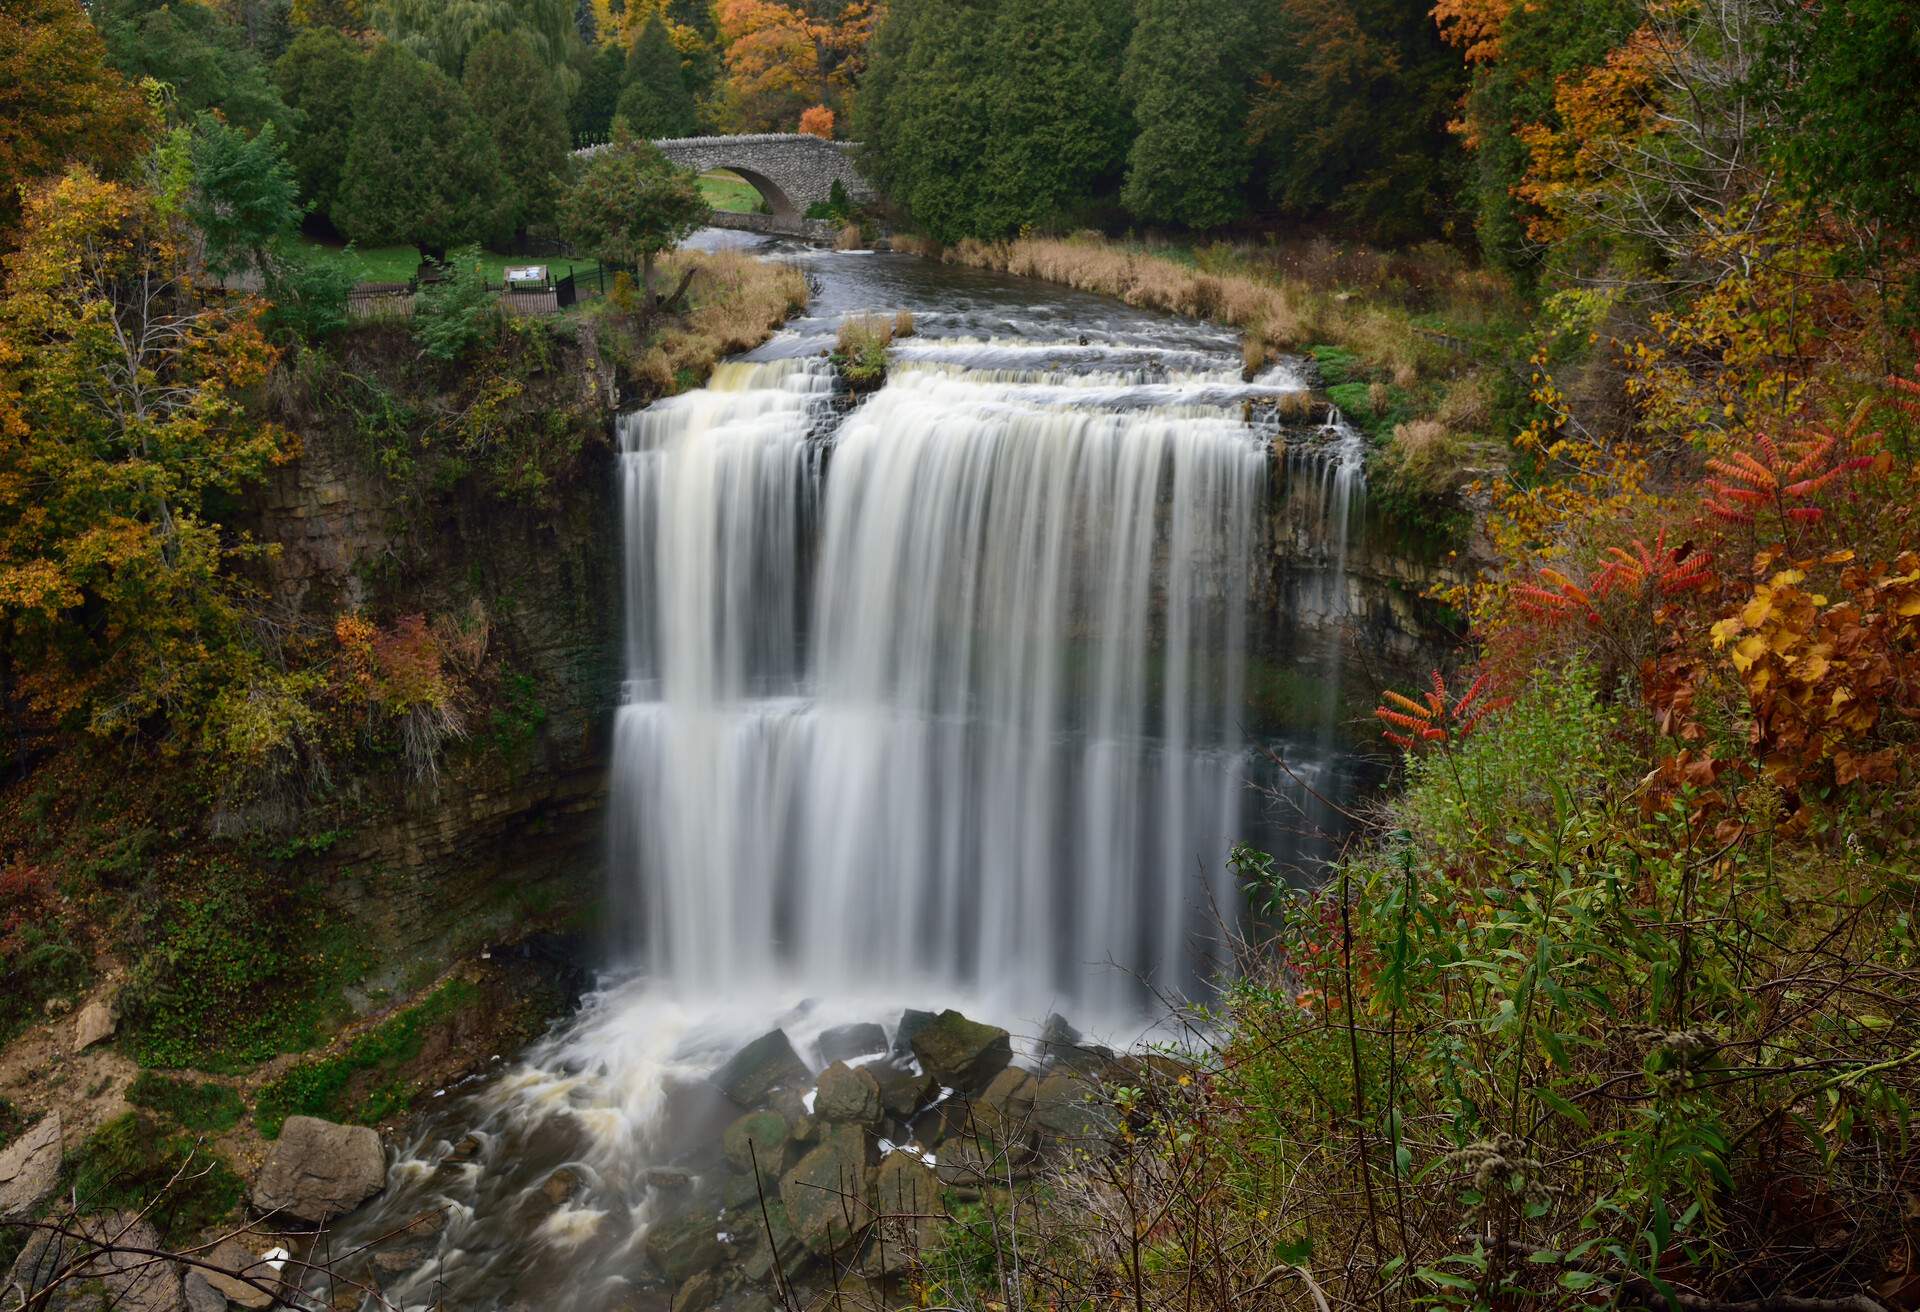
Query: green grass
[
  {"x": 325, "y": 1087},
  {"x": 398, "y": 263},
  {"x": 209, "y": 1106},
  {"x": 730, "y": 192}
]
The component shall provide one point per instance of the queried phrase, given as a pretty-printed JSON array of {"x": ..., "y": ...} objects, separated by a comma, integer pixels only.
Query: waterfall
[{"x": 963, "y": 712}]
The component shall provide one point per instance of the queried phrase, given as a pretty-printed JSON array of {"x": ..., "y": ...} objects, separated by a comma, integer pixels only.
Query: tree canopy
[
  {"x": 631, "y": 203},
  {"x": 655, "y": 102},
  {"x": 59, "y": 100},
  {"x": 1187, "y": 74},
  {"x": 421, "y": 166},
  {"x": 202, "y": 59},
  {"x": 319, "y": 76},
  {"x": 519, "y": 100}
]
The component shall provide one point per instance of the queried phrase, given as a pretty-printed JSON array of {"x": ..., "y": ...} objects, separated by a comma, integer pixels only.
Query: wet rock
[
  {"x": 982, "y": 1163},
  {"x": 753, "y": 1303},
  {"x": 96, "y": 1021},
  {"x": 907, "y": 1197},
  {"x": 826, "y": 1191},
  {"x": 30, "y": 1167},
  {"x": 201, "y": 1296},
  {"x": 562, "y": 1185},
  {"x": 698, "y": 1294},
  {"x": 318, "y": 1170},
  {"x": 961, "y": 1053},
  {"x": 667, "y": 1180},
  {"x": 774, "y": 1244},
  {"x": 1058, "y": 1038},
  {"x": 232, "y": 1255},
  {"x": 1004, "y": 1110},
  {"x": 848, "y": 1094},
  {"x": 766, "y": 1064},
  {"x": 1064, "y": 1109},
  {"x": 463, "y": 1152},
  {"x": 845, "y": 1042},
  {"x": 758, "y": 1138},
  {"x": 391, "y": 1262},
  {"x": 685, "y": 1246},
  {"x": 911, "y": 1023},
  {"x": 902, "y": 1093}
]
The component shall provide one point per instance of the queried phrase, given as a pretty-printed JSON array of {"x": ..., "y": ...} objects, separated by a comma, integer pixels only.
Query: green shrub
[
  {"x": 205, "y": 1106},
  {"x": 309, "y": 294},
  {"x": 453, "y": 316},
  {"x": 128, "y": 1162}
]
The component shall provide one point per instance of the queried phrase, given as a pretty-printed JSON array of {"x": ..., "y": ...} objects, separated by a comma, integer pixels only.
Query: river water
[{"x": 936, "y": 700}]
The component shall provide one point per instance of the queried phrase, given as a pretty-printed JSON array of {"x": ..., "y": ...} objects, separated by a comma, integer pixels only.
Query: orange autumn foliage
[{"x": 817, "y": 121}]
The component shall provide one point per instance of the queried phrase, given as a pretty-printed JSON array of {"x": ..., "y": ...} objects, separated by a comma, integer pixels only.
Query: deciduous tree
[
  {"x": 59, "y": 100},
  {"x": 630, "y": 204},
  {"x": 244, "y": 197}
]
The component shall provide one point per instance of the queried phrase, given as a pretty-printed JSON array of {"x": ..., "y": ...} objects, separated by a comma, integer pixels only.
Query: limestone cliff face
[{"x": 511, "y": 829}]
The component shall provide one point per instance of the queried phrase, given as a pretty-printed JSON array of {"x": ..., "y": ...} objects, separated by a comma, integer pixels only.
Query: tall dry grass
[{"x": 734, "y": 303}]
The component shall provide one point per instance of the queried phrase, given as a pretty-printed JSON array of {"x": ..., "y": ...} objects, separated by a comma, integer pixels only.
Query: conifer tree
[
  {"x": 519, "y": 101},
  {"x": 590, "y": 116},
  {"x": 319, "y": 76},
  {"x": 656, "y": 102},
  {"x": 420, "y": 167},
  {"x": 1187, "y": 75}
]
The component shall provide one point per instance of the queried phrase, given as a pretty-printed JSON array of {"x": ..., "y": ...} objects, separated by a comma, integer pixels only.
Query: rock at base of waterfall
[
  {"x": 96, "y": 1021},
  {"x": 561, "y": 1186},
  {"x": 1064, "y": 1109},
  {"x": 1057, "y": 1038},
  {"x": 774, "y": 1245},
  {"x": 907, "y": 1197},
  {"x": 685, "y": 1246},
  {"x": 232, "y": 1255},
  {"x": 30, "y": 1167},
  {"x": 201, "y": 1296},
  {"x": 845, "y": 1042},
  {"x": 319, "y": 1170},
  {"x": 911, "y": 1023},
  {"x": 698, "y": 1293},
  {"x": 826, "y": 1191},
  {"x": 961, "y": 1053},
  {"x": 1005, "y": 1110},
  {"x": 848, "y": 1094},
  {"x": 902, "y": 1093},
  {"x": 757, "y": 1140},
  {"x": 126, "y": 1281},
  {"x": 766, "y": 1064}
]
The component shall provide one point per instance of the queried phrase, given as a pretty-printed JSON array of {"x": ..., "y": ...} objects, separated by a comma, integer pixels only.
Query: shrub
[
  {"x": 309, "y": 294},
  {"x": 461, "y": 312},
  {"x": 860, "y": 352},
  {"x": 128, "y": 1164}
]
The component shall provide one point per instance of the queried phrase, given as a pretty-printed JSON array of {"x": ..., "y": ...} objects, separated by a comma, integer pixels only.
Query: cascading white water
[{"x": 1006, "y": 757}]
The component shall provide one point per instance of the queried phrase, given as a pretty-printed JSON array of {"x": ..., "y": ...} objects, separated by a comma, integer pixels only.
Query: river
[{"x": 936, "y": 700}]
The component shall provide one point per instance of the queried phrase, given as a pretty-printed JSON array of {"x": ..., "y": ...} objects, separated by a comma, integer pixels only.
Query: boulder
[
  {"x": 1005, "y": 1110},
  {"x": 95, "y": 1022},
  {"x": 201, "y": 1296},
  {"x": 845, "y": 1042},
  {"x": 960, "y": 1053},
  {"x": 848, "y": 1094},
  {"x": 127, "y": 1282},
  {"x": 774, "y": 1243},
  {"x": 685, "y": 1246},
  {"x": 907, "y": 1197},
  {"x": 561, "y": 1186},
  {"x": 236, "y": 1256},
  {"x": 768, "y": 1063},
  {"x": 826, "y": 1191},
  {"x": 757, "y": 1138},
  {"x": 911, "y": 1023},
  {"x": 318, "y": 1170},
  {"x": 30, "y": 1167},
  {"x": 902, "y": 1093},
  {"x": 698, "y": 1294},
  {"x": 1064, "y": 1110}
]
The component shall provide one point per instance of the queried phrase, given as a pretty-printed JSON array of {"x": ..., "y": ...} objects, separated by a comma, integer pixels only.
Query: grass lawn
[
  {"x": 397, "y": 263},
  {"x": 729, "y": 191}
]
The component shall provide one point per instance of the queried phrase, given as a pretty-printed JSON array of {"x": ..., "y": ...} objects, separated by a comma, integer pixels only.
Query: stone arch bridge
[{"x": 792, "y": 171}]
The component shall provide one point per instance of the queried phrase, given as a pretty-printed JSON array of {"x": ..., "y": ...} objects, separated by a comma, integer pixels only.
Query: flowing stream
[{"x": 934, "y": 700}]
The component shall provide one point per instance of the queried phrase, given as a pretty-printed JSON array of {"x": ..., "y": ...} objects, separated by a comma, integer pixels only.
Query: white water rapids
[{"x": 940, "y": 699}]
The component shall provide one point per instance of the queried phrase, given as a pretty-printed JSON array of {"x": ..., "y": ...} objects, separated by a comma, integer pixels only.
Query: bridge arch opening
[{"x": 770, "y": 191}]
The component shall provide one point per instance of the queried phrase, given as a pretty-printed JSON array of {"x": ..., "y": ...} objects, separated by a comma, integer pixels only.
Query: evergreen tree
[
  {"x": 445, "y": 32},
  {"x": 518, "y": 99},
  {"x": 656, "y": 102},
  {"x": 1059, "y": 124},
  {"x": 200, "y": 55},
  {"x": 1187, "y": 76},
  {"x": 586, "y": 24},
  {"x": 603, "y": 74},
  {"x": 696, "y": 14},
  {"x": 1351, "y": 119},
  {"x": 420, "y": 167},
  {"x": 319, "y": 76},
  {"x": 923, "y": 112}
]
